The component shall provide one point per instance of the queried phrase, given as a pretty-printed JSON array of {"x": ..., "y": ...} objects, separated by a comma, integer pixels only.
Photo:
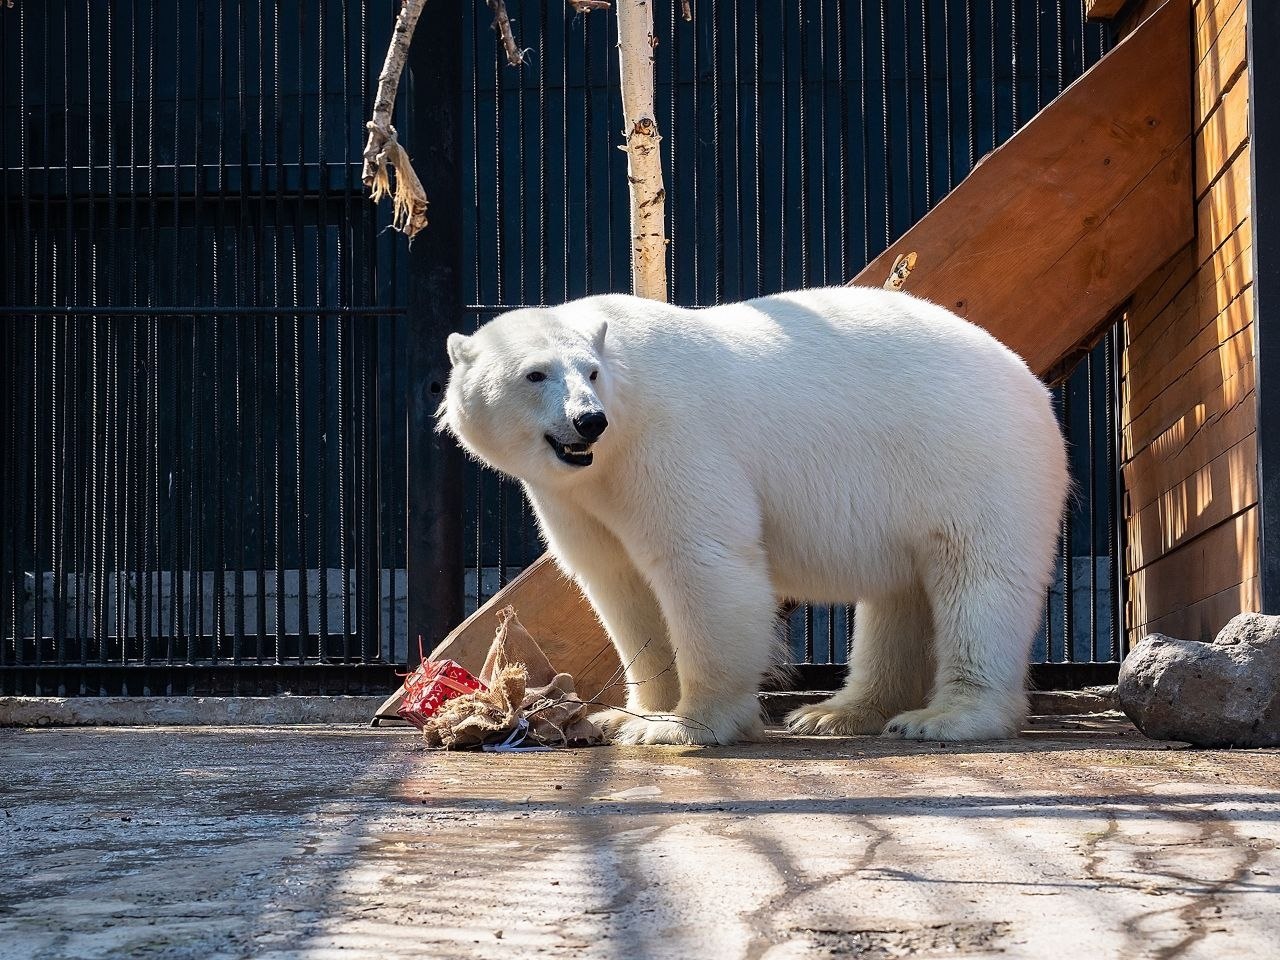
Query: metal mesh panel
[
  {"x": 199, "y": 446},
  {"x": 204, "y": 376}
]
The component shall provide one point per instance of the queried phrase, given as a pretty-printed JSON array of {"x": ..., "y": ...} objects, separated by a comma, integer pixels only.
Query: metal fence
[
  {"x": 800, "y": 140},
  {"x": 207, "y": 337},
  {"x": 202, "y": 453}
]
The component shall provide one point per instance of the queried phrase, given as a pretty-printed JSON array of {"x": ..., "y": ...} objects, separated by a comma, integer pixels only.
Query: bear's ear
[
  {"x": 597, "y": 336},
  {"x": 459, "y": 348}
]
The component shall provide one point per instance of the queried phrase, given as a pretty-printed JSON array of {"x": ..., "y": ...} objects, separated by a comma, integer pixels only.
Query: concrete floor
[{"x": 1080, "y": 840}]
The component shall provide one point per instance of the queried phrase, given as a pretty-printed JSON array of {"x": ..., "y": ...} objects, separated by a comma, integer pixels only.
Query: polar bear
[{"x": 690, "y": 468}]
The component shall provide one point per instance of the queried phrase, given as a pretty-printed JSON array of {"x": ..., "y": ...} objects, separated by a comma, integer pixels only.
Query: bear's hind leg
[
  {"x": 887, "y": 668},
  {"x": 984, "y": 614}
]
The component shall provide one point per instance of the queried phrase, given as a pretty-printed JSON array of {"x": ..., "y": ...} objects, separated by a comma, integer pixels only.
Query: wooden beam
[
  {"x": 1102, "y": 9},
  {"x": 1051, "y": 232}
]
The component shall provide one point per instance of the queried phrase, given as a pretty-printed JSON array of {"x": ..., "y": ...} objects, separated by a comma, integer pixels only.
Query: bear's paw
[
  {"x": 832, "y": 719},
  {"x": 663, "y": 729},
  {"x": 950, "y": 723}
]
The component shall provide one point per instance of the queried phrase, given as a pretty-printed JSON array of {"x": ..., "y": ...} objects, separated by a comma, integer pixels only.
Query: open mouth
[{"x": 574, "y": 454}]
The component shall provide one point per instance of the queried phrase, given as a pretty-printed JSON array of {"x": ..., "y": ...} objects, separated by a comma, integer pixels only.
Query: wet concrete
[{"x": 1082, "y": 839}]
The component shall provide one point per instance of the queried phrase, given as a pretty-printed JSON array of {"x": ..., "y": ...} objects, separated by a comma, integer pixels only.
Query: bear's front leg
[
  {"x": 720, "y": 610},
  {"x": 624, "y": 602}
]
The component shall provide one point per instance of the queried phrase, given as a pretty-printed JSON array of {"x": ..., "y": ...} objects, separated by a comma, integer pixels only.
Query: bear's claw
[
  {"x": 611, "y": 720},
  {"x": 664, "y": 729},
  {"x": 832, "y": 720},
  {"x": 950, "y": 724}
]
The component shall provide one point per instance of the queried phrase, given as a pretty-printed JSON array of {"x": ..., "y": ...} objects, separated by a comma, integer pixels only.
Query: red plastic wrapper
[{"x": 429, "y": 687}]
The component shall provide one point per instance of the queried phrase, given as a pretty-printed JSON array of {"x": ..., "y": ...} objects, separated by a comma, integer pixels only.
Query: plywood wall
[{"x": 1188, "y": 421}]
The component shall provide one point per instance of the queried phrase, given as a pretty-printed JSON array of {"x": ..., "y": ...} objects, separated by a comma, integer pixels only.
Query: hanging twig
[
  {"x": 383, "y": 150},
  {"x": 686, "y": 11},
  {"x": 502, "y": 27}
]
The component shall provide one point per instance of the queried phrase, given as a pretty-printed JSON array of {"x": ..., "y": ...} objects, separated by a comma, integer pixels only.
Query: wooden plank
[
  {"x": 1218, "y": 64},
  {"x": 1224, "y": 207},
  {"x": 1218, "y": 381},
  {"x": 1195, "y": 440},
  {"x": 1203, "y": 619},
  {"x": 1198, "y": 501},
  {"x": 1157, "y": 291},
  {"x": 1218, "y": 560},
  {"x": 1217, "y": 333},
  {"x": 1226, "y": 276},
  {"x": 1210, "y": 16},
  {"x": 1102, "y": 9},
  {"x": 1223, "y": 134},
  {"x": 1052, "y": 231}
]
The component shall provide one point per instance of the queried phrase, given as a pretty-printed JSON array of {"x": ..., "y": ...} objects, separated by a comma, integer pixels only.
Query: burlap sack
[{"x": 523, "y": 685}]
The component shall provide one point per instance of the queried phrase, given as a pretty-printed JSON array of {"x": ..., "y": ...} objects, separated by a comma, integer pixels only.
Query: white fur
[{"x": 833, "y": 446}]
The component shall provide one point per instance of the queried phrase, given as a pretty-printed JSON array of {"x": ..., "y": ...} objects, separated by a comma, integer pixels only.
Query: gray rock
[{"x": 1220, "y": 694}]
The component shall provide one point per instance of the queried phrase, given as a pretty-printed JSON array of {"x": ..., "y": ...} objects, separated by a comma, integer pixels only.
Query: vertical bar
[
  {"x": 299, "y": 369},
  {"x": 241, "y": 288},
  {"x": 322, "y": 360},
  {"x": 434, "y": 464},
  {"x": 1068, "y": 561},
  {"x": 1093, "y": 515},
  {"x": 1264, "y": 127},
  {"x": 1115, "y": 449}
]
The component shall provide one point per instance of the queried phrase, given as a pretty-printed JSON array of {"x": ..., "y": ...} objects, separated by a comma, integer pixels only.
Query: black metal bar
[
  {"x": 434, "y": 481},
  {"x": 1264, "y": 130}
]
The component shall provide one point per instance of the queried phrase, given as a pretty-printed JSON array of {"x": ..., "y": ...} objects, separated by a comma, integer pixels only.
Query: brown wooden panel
[
  {"x": 1165, "y": 372},
  {"x": 1218, "y": 560},
  {"x": 1226, "y": 276},
  {"x": 1218, "y": 63},
  {"x": 1218, "y": 381},
  {"x": 1224, "y": 207},
  {"x": 1196, "y": 439},
  {"x": 1195, "y": 502},
  {"x": 1052, "y": 231},
  {"x": 1223, "y": 134},
  {"x": 1209, "y": 17},
  {"x": 1157, "y": 291},
  {"x": 1203, "y": 619},
  {"x": 556, "y": 614},
  {"x": 1102, "y": 9}
]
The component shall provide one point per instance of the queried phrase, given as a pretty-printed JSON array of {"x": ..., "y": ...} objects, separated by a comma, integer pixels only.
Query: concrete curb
[
  {"x": 1042, "y": 703},
  {"x": 289, "y": 710},
  {"x": 183, "y": 711}
]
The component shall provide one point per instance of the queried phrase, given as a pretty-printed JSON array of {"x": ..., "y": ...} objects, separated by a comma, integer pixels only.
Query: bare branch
[
  {"x": 383, "y": 150},
  {"x": 686, "y": 11},
  {"x": 586, "y": 6},
  {"x": 636, "y": 42},
  {"x": 502, "y": 27}
]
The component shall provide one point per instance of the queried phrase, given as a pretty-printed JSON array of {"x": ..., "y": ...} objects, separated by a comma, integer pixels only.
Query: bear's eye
[
  {"x": 537, "y": 376},
  {"x": 594, "y": 374}
]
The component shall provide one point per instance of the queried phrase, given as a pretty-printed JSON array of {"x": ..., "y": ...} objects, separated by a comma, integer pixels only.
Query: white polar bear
[{"x": 689, "y": 468}]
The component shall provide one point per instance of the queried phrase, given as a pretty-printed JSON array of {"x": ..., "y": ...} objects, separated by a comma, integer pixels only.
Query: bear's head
[{"x": 529, "y": 394}]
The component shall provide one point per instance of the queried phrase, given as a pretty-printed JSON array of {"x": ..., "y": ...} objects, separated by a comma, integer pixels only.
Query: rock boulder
[{"x": 1220, "y": 694}]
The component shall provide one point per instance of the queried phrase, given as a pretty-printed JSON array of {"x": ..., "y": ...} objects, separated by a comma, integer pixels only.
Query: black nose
[{"x": 590, "y": 425}]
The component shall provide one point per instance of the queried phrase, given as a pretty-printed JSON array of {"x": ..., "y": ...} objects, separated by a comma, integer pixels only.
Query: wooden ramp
[
  {"x": 1040, "y": 244},
  {"x": 1053, "y": 231}
]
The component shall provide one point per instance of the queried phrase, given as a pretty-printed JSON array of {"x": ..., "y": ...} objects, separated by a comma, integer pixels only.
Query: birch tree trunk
[{"x": 636, "y": 43}]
